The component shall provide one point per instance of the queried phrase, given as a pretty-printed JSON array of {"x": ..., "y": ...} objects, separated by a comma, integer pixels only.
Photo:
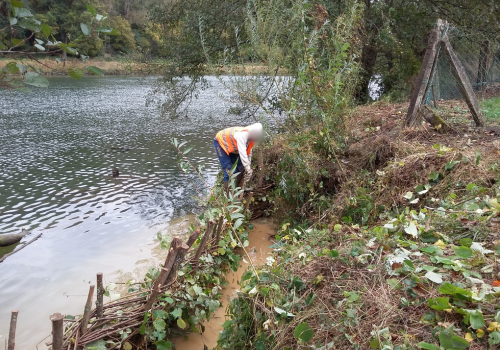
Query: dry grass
[
  {"x": 401, "y": 158},
  {"x": 388, "y": 160},
  {"x": 379, "y": 305}
]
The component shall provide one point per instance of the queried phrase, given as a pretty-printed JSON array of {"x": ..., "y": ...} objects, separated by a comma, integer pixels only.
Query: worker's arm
[{"x": 241, "y": 138}]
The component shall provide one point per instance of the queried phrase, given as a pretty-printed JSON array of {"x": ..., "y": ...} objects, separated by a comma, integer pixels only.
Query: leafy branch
[{"x": 39, "y": 35}]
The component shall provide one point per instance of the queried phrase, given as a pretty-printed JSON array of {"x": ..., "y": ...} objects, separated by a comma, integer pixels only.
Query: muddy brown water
[{"x": 258, "y": 250}]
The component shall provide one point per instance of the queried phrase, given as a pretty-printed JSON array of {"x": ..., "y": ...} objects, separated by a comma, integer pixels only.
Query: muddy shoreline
[{"x": 258, "y": 250}]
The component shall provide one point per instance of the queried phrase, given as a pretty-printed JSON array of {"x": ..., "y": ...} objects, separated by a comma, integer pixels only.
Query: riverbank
[
  {"x": 394, "y": 245},
  {"x": 49, "y": 66},
  {"x": 370, "y": 238},
  {"x": 258, "y": 249}
]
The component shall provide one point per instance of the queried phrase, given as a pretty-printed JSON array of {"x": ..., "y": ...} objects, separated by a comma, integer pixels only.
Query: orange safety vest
[{"x": 227, "y": 141}]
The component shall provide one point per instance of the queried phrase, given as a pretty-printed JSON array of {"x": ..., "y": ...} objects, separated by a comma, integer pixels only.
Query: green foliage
[
  {"x": 75, "y": 73},
  {"x": 359, "y": 208},
  {"x": 491, "y": 109},
  {"x": 124, "y": 41},
  {"x": 60, "y": 29},
  {"x": 450, "y": 341},
  {"x": 494, "y": 338},
  {"x": 440, "y": 303},
  {"x": 303, "y": 332},
  {"x": 428, "y": 346},
  {"x": 92, "y": 47},
  {"x": 238, "y": 329}
]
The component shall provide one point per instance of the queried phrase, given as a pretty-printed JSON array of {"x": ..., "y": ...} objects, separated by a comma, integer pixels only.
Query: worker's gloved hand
[{"x": 248, "y": 174}]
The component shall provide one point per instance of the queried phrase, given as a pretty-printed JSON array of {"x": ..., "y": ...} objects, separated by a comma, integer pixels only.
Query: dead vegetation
[
  {"x": 373, "y": 302},
  {"x": 401, "y": 158},
  {"x": 388, "y": 159},
  {"x": 359, "y": 300}
]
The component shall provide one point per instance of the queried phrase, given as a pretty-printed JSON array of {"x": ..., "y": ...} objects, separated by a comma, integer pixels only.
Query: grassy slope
[{"x": 380, "y": 269}]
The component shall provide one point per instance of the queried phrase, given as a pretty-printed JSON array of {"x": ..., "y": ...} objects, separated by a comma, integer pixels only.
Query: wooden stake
[
  {"x": 165, "y": 271},
  {"x": 204, "y": 240},
  {"x": 464, "y": 85},
  {"x": 100, "y": 296},
  {"x": 243, "y": 185},
  {"x": 434, "y": 97},
  {"x": 260, "y": 168},
  {"x": 220, "y": 227},
  {"x": 425, "y": 75},
  {"x": 247, "y": 204},
  {"x": 12, "y": 330},
  {"x": 57, "y": 331},
  {"x": 86, "y": 312},
  {"x": 76, "y": 340},
  {"x": 192, "y": 238},
  {"x": 179, "y": 257}
]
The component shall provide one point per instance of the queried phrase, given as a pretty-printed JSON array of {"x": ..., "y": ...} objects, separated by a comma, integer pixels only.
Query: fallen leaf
[
  {"x": 469, "y": 338},
  {"x": 386, "y": 248},
  {"x": 480, "y": 333},
  {"x": 496, "y": 283},
  {"x": 493, "y": 326},
  {"x": 434, "y": 277},
  {"x": 494, "y": 222},
  {"x": 440, "y": 244},
  {"x": 396, "y": 265},
  {"x": 468, "y": 222}
]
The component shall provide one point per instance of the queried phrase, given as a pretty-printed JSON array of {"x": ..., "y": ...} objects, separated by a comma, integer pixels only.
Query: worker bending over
[{"x": 235, "y": 145}]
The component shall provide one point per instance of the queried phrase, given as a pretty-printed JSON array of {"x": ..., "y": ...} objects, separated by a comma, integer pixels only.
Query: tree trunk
[
  {"x": 434, "y": 119},
  {"x": 64, "y": 53},
  {"x": 368, "y": 59},
  {"x": 482, "y": 70}
]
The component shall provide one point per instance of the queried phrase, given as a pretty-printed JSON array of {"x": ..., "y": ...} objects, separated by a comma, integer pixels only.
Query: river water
[{"x": 58, "y": 147}]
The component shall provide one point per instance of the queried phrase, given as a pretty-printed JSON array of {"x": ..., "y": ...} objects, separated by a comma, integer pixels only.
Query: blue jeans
[{"x": 227, "y": 161}]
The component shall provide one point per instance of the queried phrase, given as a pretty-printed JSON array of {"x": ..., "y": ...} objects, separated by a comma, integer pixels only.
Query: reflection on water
[{"x": 58, "y": 148}]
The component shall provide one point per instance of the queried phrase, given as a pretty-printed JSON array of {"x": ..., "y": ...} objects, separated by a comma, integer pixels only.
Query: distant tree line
[{"x": 193, "y": 35}]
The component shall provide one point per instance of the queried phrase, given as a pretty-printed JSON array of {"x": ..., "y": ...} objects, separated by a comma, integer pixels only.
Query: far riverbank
[{"x": 120, "y": 66}]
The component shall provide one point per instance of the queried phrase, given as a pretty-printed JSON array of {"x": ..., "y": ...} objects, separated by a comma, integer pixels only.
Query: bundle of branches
[{"x": 126, "y": 320}]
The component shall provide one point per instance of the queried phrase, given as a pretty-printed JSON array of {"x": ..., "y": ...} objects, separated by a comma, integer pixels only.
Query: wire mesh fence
[{"x": 480, "y": 58}]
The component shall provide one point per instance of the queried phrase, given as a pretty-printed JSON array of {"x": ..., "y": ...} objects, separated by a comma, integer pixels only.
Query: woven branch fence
[{"x": 108, "y": 321}]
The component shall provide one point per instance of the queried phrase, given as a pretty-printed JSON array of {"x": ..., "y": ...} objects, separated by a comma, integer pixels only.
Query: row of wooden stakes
[{"x": 80, "y": 336}]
